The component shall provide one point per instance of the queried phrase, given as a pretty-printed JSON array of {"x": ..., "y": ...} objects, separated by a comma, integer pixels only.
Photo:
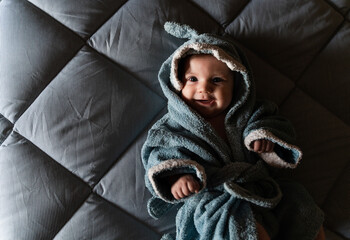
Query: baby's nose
[{"x": 205, "y": 87}]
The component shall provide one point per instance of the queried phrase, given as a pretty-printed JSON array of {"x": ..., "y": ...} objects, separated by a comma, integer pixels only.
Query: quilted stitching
[
  {"x": 5, "y": 128},
  {"x": 68, "y": 176},
  {"x": 58, "y": 45},
  {"x": 45, "y": 189},
  {"x": 87, "y": 121},
  {"x": 320, "y": 73}
]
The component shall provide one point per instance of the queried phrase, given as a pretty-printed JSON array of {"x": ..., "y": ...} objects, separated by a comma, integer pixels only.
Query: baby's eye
[
  {"x": 192, "y": 79},
  {"x": 217, "y": 80}
]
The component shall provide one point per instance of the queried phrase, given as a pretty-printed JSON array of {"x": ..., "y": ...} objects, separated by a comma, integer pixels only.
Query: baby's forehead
[{"x": 197, "y": 60}]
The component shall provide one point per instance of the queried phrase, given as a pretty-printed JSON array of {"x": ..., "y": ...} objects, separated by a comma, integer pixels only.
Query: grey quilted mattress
[{"x": 79, "y": 91}]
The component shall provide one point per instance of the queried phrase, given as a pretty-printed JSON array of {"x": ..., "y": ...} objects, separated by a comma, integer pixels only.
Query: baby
[
  {"x": 209, "y": 154},
  {"x": 208, "y": 89}
]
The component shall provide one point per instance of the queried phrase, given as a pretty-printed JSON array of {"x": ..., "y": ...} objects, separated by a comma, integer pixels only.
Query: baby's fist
[
  {"x": 184, "y": 186},
  {"x": 262, "y": 146}
]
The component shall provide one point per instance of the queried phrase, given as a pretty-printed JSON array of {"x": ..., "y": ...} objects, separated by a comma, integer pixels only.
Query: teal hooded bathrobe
[{"x": 236, "y": 188}]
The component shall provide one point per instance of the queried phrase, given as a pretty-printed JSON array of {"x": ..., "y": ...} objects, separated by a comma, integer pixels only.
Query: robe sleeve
[
  {"x": 265, "y": 123},
  {"x": 163, "y": 159}
]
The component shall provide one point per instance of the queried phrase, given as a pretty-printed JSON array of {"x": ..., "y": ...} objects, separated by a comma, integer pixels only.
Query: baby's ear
[{"x": 180, "y": 30}]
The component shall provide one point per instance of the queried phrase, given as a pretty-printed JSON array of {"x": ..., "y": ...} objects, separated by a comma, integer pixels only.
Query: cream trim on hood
[{"x": 201, "y": 48}]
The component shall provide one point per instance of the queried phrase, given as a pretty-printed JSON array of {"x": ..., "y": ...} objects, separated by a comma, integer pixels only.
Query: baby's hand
[
  {"x": 184, "y": 186},
  {"x": 262, "y": 145}
]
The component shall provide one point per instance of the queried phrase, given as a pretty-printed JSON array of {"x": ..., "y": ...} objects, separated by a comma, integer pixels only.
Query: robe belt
[{"x": 249, "y": 182}]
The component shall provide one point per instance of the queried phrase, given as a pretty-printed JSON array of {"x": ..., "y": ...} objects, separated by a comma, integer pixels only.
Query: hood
[{"x": 221, "y": 48}]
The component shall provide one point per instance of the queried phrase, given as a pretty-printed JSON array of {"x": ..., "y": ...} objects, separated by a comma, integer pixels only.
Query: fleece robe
[{"x": 237, "y": 190}]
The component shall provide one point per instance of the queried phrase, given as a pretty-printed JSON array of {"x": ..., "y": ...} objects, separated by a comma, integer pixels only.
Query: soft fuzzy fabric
[{"x": 237, "y": 190}]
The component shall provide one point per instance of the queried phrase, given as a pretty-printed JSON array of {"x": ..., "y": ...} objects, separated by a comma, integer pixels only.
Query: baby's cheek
[{"x": 185, "y": 94}]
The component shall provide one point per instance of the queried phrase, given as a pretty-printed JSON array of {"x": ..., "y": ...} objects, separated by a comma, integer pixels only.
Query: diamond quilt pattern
[{"x": 79, "y": 91}]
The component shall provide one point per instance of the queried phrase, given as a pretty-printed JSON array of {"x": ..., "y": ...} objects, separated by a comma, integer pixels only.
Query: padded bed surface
[{"x": 79, "y": 91}]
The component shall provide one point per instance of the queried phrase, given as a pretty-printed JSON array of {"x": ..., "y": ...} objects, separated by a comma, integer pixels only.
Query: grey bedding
[{"x": 79, "y": 91}]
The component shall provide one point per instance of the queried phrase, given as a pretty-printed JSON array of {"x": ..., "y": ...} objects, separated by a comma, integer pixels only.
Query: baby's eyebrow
[
  {"x": 189, "y": 74},
  {"x": 222, "y": 74}
]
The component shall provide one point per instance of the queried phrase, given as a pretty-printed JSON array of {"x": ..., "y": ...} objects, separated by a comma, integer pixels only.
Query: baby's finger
[
  {"x": 190, "y": 186},
  {"x": 193, "y": 186},
  {"x": 180, "y": 194},
  {"x": 263, "y": 146},
  {"x": 176, "y": 191},
  {"x": 269, "y": 146},
  {"x": 185, "y": 190},
  {"x": 175, "y": 195},
  {"x": 257, "y": 145}
]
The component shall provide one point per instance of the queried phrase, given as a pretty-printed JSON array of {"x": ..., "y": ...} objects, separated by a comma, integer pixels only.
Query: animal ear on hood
[{"x": 180, "y": 30}]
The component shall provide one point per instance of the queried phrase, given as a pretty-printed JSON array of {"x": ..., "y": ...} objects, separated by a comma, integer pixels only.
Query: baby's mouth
[{"x": 205, "y": 102}]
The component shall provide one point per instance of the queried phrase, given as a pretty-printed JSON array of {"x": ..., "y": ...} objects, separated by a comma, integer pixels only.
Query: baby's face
[{"x": 208, "y": 85}]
